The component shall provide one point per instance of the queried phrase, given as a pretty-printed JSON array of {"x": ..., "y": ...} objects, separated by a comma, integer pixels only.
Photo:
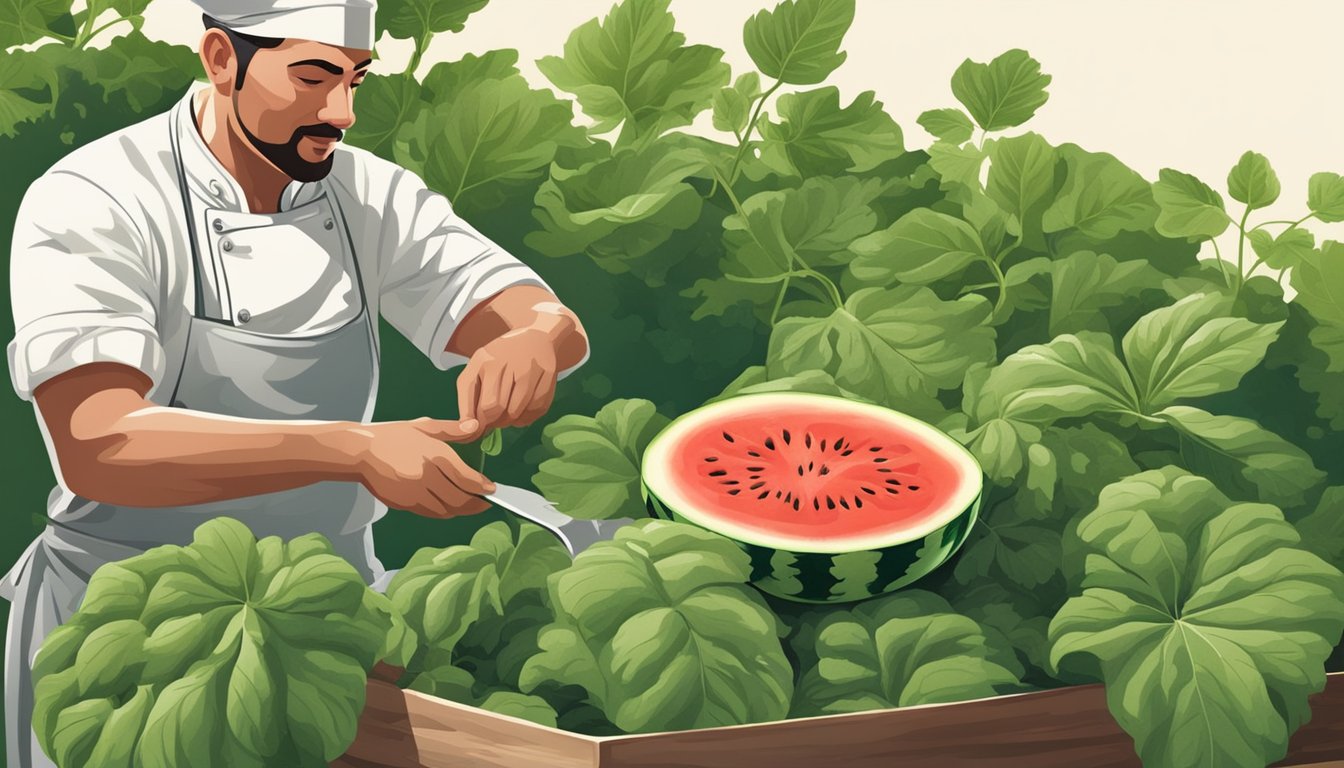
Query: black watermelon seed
[
  {"x": 735, "y": 491},
  {"x": 914, "y": 487},
  {"x": 868, "y": 490},
  {"x": 893, "y": 481},
  {"x": 830, "y": 503},
  {"x": 763, "y": 494},
  {"x": 795, "y": 505},
  {"x": 753, "y": 453},
  {"x": 880, "y": 459},
  {"x": 844, "y": 503},
  {"x": 788, "y": 495},
  {"x": 755, "y": 469},
  {"x": 846, "y": 452},
  {"x": 778, "y": 494},
  {"x": 815, "y": 503},
  {"x": 858, "y": 503},
  {"x": 711, "y": 458},
  {"x": 875, "y": 448},
  {"x": 757, "y": 485},
  {"x": 800, "y": 470},
  {"x": 807, "y": 439},
  {"x": 823, "y": 444},
  {"x": 809, "y": 466},
  {"x": 786, "y": 437},
  {"x": 892, "y": 490},
  {"x": 825, "y": 470},
  {"x": 728, "y": 437},
  {"x": 884, "y": 469},
  {"x": 769, "y": 443},
  {"x": 718, "y": 473},
  {"x": 734, "y": 482}
]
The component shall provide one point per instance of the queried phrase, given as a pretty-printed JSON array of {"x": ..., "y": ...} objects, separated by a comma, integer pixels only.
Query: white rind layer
[{"x": 658, "y": 456}]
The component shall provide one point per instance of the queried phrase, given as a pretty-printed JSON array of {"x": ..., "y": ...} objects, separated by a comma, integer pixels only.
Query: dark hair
[{"x": 244, "y": 45}]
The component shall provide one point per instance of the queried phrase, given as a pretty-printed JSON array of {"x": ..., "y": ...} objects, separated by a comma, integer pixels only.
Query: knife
[{"x": 575, "y": 534}]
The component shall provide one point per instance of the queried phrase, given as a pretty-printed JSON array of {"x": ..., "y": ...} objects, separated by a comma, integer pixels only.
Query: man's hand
[
  {"x": 408, "y": 465},
  {"x": 509, "y": 381}
]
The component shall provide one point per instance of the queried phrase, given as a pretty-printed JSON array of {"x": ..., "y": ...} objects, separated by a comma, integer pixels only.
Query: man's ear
[{"x": 219, "y": 59}]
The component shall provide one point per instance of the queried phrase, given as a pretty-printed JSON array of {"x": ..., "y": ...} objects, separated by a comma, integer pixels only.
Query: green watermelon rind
[{"x": 818, "y": 573}]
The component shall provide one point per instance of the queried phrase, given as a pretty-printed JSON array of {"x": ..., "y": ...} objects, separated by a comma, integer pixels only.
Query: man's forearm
[{"x": 157, "y": 457}]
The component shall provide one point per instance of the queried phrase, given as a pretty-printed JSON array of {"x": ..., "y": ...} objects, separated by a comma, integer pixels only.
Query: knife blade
[{"x": 576, "y": 534}]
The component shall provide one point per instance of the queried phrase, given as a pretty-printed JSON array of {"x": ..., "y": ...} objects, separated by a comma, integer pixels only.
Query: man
[{"x": 196, "y": 301}]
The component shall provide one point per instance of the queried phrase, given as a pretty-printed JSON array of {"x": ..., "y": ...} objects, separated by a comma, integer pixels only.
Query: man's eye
[
  {"x": 356, "y": 85},
  {"x": 310, "y": 82}
]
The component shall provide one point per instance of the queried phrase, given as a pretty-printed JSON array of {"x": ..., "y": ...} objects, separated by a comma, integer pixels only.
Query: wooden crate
[{"x": 1065, "y": 727}]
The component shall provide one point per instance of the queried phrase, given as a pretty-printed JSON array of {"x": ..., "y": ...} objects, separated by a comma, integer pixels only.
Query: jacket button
[
  {"x": 215, "y": 187},
  {"x": 226, "y": 244},
  {"x": 328, "y": 223},
  {"x": 219, "y": 225},
  {"x": 244, "y": 315}
]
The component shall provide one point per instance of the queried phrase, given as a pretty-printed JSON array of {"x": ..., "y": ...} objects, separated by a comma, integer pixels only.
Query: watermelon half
[{"x": 834, "y": 500}]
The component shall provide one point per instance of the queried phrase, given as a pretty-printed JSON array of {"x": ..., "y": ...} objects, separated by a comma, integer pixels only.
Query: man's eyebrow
[{"x": 327, "y": 65}]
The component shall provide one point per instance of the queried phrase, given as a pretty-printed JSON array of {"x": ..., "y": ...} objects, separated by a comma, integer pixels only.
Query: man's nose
[{"x": 339, "y": 111}]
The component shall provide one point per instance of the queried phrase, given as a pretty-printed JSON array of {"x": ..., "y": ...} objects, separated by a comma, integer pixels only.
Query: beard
[{"x": 286, "y": 156}]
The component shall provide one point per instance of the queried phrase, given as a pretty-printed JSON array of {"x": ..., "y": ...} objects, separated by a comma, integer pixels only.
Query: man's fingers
[
  {"x": 488, "y": 406},
  {"x": 460, "y": 431},
  {"x": 524, "y": 388},
  {"x": 541, "y": 401},
  {"x": 464, "y": 477},
  {"x": 450, "y": 498},
  {"x": 468, "y": 391}
]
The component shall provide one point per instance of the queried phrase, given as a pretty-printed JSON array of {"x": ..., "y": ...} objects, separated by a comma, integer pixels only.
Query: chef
[{"x": 196, "y": 303}]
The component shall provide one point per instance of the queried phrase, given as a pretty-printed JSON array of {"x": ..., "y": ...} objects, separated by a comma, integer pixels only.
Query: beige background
[{"x": 1187, "y": 84}]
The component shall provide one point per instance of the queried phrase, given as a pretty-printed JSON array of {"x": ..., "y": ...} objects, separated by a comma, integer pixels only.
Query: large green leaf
[
  {"x": 1319, "y": 281},
  {"x": 619, "y": 210},
  {"x": 1245, "y": 460},
  {"x": 897, "y": 347},
  {"x": 416, "y": 19},
  {"x": 1085, "y": 283},
  {"x": 1291, "y": 247},
  {"x": 1188, "y": 206},
  {"x": 901, "y": 650},
  {"x": 494, "y": 136},
  {"x": 593, "y": 464},
  {"x": 1101, "y": 197},
  {"x": 1193, "y": 348},
  {"x": 950, "y": 125},
  {"x": 799, "y": 41},
  {"x": 817, "y": 137},
  {"x": 139, "y": 69},
  {"x": 1003, "y": 93},
  {"x": 634, "y": 68},
  {"x": 1012, "y": 539},
  {"x": 1022, "y": 180},
  {"x": 1253, "y": 181},
  {"x": 732, "y": 104},
  {"x": 921, "y": 247},
  {"x": 385, "y": 104},
  {"x": 661, "y": 629},
  {"x": 1323, "y": 530},
  {"x": 1210, "y": 624},
  {"x": 27, "y": 21}
]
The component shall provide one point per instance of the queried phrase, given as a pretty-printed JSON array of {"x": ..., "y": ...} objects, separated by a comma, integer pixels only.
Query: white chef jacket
[{"x": 101, "y": 268}]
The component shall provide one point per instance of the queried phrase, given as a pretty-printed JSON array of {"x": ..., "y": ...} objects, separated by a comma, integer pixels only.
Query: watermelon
[{"x": 834, "y": 500}]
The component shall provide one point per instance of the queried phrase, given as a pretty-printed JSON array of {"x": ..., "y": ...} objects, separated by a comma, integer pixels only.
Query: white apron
[{"x": 227, "y": 370}]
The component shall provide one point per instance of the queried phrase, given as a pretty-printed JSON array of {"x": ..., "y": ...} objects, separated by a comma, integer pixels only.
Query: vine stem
[
  {"x": 1222, "y": 265},
  {"x": 421, "y": 43},
  {"x": 1241, "y": 250},
  {"x": 1002, "y": 282},
  {"x": 751, "y": 125},
  {"x": 831, "y": 290},
  {"x": 99, "y": 30},
  {"x": 1291, "y": 226}
]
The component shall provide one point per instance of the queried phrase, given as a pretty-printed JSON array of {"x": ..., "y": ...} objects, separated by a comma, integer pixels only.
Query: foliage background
[{"x": 641, "y": 331}]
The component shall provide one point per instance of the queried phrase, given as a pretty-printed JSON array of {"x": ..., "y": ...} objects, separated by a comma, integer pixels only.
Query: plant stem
[
  {"x": 1241, "y": 250},
  {"x": 1002, "y": 283},
  {"x": 1222, "y": 265},
  {"x": 421, "y": 43},
  {"x": 831, "y": 290},
  {"x": 1292, "y": 224},
  {"x": 96, "y": 32},
  {"x": 1282, "y": 272},
  {"x": 751, "y": 125}
]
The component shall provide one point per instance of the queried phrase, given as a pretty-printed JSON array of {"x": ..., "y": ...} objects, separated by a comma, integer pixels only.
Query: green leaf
[
  {"x": 1011, "y": 539},
  {"x": 1188, "y": 207},
  {"x": 27, "y": 21},
  {"x": 1325, "y": 196},
  {"x": 756, "y": 379},
  {"x": 1253, "y": 181},
  {"x": 817, "y": 137},
  {"x": 1322, "y": 531},
  {"x": 959, "y": 168},
  {"x": 1319, "y": 281},
  {"x": 661, "y": 629},
  {"x": 141, "y": 70},
  {"x": 1289, "y": 249},
  {"x": 78, "y": 729},
  {"x": 1245, "y": 460},
  {"x": 181, "y": 730},
  {"x": 592, "y": 469},
  {"x": 324, "y": 695},
  {"x": 619, "y": 210},
  {"x": 1088, "y": 459},
  {"x": 921, "y": 247},
  {"x": 732, "y": 105},
  {"x": 520, "y": 705},
  {"x": 1074, "y": 375},
  {"x": 114, "y": 748},
  {"x": 1192, "y": 349},
  {"x": 253, "y": 705},
  {"x": 495, "y": 136},
  {"x": 111, "y": 656},
  {"x": 416, "y": 19},
  {"x": 902, "y": 650},
  {"x": 634, "y": 68},
  {"x": 1022, "y": 180},
  {"x": 896, "y": 347},
  {"x": 386, "y": 103},
  {"x": 317, "y": 584},
  {"x": 28, "y": 82},
  {"x": 493, "y": 443},
  {"x": 1085, "y": 282},
  {"x": 799, "y": 41},
  {"x": 1101, "y": 197},
  {"x": 950, "y": 125},
  {"x": 1004, "y": 93},
  {"x": 1211, "y": 626},
  {"x": 447, "y": 80}
]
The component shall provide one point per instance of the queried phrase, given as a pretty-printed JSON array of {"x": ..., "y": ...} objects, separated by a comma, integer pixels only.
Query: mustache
[{"x": 321, "y": 131}]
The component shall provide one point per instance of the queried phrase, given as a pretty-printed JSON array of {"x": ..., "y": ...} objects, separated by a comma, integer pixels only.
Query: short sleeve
[
  {"x": 80, "y": 284},
  {"x": 438, "y": 268}
]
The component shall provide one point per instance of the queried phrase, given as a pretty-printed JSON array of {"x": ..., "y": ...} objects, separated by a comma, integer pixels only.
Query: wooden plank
[{"x": 1061, "y": 727}]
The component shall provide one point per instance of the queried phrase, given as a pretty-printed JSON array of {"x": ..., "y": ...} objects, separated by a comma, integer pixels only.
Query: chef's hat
[{"x": 347, "y": 23}]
